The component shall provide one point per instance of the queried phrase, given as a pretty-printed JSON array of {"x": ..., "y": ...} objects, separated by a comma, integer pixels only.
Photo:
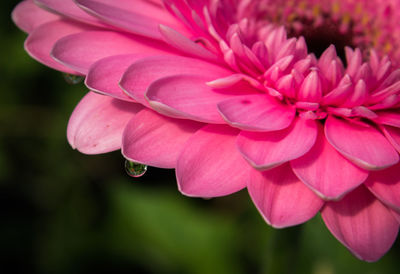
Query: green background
[{"x": 65, "y": 212}]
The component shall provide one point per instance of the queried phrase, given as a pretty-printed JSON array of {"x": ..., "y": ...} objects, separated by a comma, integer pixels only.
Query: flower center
[
  {"x": 321, "y": 32},
  {"x": 356, "y": 24},
  {"x": 357, "y": 44}
]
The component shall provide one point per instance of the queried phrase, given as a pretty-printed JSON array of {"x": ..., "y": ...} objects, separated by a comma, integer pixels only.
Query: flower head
[{"x": 296, "y": 100}]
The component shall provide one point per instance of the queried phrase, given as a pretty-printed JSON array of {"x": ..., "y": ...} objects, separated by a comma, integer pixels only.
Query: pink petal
[
  {"x": 236, "y": 79},
  {"x": 393, "y": 135},
  {"x": 187, "y": 97},
  {"x": 210, "y": 165},
  {"x": 326, "y": 171},
  {"x": 142, "y": 17},
  {"x": 104, "y": 75},
  {"x": 42, "y": 39},
  {"x": 311, "y": 88},
  {"x": 79, "y": 51},
  {"x": 339, "y": 94},
  {"x": 396, "y": 215},
  {"x": 67, "y": 8},
  {"x": 361, "y": 223},
  {"x": 282, "y": 199},
  {"x": 97, "y": 123},
  {"x": 265, "y": 150},
  {"x": 257, "y": 112},
  {"x": 389, "y": 118},
  {"x": 363, "y": 145},
  {"x": 27, "y": 16},
  {"x": 142, "y": 73},
  {"x": 185, "y": 45},
  {"x": 385, "y": 185},
  {"x": 354, "y": 60},
  {"x": 156, "y": 140}
]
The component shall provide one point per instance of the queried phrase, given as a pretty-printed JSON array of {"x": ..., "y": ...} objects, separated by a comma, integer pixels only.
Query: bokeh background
[{"x": 64, "y": 212}]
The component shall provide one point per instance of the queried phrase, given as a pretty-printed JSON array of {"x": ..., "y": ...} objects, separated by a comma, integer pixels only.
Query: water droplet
[
  {"x": 72, "y": 79},
  {"x": 135, "y": 169}
]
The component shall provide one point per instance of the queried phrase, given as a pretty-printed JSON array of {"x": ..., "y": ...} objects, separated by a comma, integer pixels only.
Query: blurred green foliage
[{"x": 64, "y": 212}]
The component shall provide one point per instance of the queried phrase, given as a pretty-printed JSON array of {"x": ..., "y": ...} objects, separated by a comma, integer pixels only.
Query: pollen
[{"x": 356, "y": 24}]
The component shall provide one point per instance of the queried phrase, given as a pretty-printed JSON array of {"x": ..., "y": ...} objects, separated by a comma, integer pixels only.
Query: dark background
[{"x": 65, "y": 212}]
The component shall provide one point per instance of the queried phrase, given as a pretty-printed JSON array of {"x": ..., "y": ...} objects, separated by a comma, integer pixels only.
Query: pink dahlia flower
[{"x": 234, "y": 94}]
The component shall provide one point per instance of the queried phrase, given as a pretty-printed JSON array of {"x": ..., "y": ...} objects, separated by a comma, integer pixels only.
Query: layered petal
[
  {"x": 187, "y": 97},
  {"x": 79, "y": 51},
  {"x": 97, "y": 123},
  {"x": 389, "y": 118},
  {"x": 326, "y": 171},
  {"x": 385, "y": 185},
  {"x": 185, "y": 45},
  {"x": 142, "y": 17},
  {"x": 69, "y": 9},
  {"x": 138, "y": 77},
  {"x": 42, "y": 39},
  {"x": 393, "y": 135},
  {"x": 104, "y": 75},
  {"x": 210, "y": 165},
  {"x": 396, "y": 215},
  {"x": 361, "y": 223},
  {"x": 156, "y": 140},
  {"x": 282, "y": 199},
  {"x": 363, "y": 145},
  {"x": 265, "y": 150},
  {"x": 27, "y": 16},
  {"x": 257, "y": 112}
]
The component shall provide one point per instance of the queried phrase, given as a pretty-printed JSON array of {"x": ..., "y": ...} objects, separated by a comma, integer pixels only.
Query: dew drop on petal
[
  {"x": 72, "y": 79},
  {"x": 135, "y": 169}
]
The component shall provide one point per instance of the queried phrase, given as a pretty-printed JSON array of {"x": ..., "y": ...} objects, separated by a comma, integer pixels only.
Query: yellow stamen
[
  {"x": 346, "y": 18},
  {"x": 365, "y": 20},
  {"x": 358, "y": 9},
  {"x": 292, "y": 17},
  {"x": 303, "y": 5},
  {"x": 387, "y": 47},
  {"x": 316, "y": 11},
  {"x": 335, "y": 8}
]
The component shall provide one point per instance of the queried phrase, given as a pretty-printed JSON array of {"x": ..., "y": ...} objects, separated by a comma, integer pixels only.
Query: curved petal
[
  {"x": 363, "y": 145},
  {"x": 282, "y": 199},
  {"x": 362, "y": 224},
  {"x": 185, "y": 45},
  {"x": 210, "y": 165},
  {"x": 156, "y": 140},
  {"x": 187, "y": 97},
  {"x": 42, "y": 39},
  {"x": 258, "y": 112},
  {"x": 138, "y": 77},
  {"x": 27, "y": 16},
  {"x": 385, "y": 185},
  {"x": 396, "y": 215},
  {"x": 68, "y": 8},
  {"x": 141, "y": 17},
  {"x": 104, "y": 75},
  {"x": 393, "y": 135},
  {"x": 389, "y": 118},
  {"x": 265, "y": 150},
  {"x": 97, "y": 123},
  {"x": 79, "y": 51},
  {"x": 326, "y": 171}
]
